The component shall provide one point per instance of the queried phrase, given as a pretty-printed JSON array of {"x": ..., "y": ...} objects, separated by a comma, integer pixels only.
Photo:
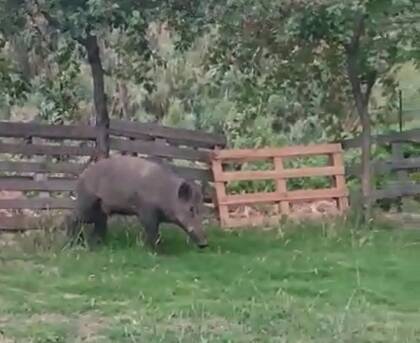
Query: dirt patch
[
  {"x": 4, "y": 339},
  {"x": 4, "y": 319},
  {"x": 90, "y": 326},
  {"x": 315, "y": 209},
  {"x": 298, "y": 210},
  {"x": 50, "y": 318},
  {"x": 216, "y": 325},
  {"x": 86, "y": 327}
]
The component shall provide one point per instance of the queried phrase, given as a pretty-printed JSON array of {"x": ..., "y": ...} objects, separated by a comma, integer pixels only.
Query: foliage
[
  {"x": 13, "y": 87},
  {"x": 266, "y": 73}
]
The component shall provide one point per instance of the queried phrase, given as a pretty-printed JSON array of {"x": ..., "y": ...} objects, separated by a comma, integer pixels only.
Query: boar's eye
[{"x": 192, "y": 210}]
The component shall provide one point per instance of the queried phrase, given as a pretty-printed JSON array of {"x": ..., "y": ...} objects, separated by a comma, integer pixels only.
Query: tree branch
[
  {"x": 370, "y": 82},
  {"x": 353, "y": 70},
  {"x": 358, "y": 31}
]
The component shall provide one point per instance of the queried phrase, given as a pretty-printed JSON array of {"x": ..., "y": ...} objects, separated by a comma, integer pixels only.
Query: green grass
[{"x": 316, "y": 284}]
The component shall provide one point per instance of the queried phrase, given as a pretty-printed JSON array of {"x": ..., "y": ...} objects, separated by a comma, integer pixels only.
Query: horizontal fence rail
[
  {"x": 19, "y": 129},
  {"x": 159, "y": 150},
  {"x": 39, "y": 165},
  {"x": 281, "y": 198},
  {"x": 397, "y": 166},
  {"x": 409, "y": 136},
  {"x": 175, "y": 136}
]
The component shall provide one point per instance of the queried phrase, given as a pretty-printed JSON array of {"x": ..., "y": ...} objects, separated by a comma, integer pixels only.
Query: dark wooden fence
[
  {"x": 397, "y": 167},
  {"x": 39, "y": 163}
]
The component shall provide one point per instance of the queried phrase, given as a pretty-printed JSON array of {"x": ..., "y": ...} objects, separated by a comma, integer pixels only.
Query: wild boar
[{"x": 150, "y": 190}]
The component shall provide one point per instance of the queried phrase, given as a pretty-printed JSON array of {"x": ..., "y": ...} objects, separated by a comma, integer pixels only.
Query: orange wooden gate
[{"x": 281, "y": 197}]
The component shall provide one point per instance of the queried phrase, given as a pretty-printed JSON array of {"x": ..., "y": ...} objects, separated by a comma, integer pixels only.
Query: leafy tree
[
  {"x": 273, "y": 80},
  {"x": 88, "y": 24},
  {"x": 366, "y": 41},
  {"x": 13, "y": 85},
  {"x": 319, "y": 58}
]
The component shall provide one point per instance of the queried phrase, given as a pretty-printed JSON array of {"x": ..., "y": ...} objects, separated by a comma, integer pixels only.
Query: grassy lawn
[{"x": 311, "y": 285}]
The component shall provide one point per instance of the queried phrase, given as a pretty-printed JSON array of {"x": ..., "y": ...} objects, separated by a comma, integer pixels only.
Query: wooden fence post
[
  {"x": 220, "y": 191},
  {"x": 281, "y": 185},
  {"x": 402, "y": 175}
]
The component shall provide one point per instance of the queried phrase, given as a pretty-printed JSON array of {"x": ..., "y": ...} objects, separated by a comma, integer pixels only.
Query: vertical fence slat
[
  {"x": 397, "y": 156},
  {"x": 281, "y": 185},
  {"x": 220, "y": 191}
]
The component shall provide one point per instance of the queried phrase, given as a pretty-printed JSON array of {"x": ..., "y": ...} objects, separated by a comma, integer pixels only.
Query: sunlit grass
[{"x": 313, "y": 284}]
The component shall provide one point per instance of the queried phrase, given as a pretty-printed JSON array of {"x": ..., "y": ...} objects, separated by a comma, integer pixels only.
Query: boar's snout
[
  {"x": 189, "y": 214},
  {"x": 198, "y": 236}
]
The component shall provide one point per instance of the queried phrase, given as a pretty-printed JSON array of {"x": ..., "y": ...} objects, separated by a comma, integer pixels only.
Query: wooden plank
[
  {"x": 132, "y": 135},
  {"x": 281, "y": 185},
  {"x": 40, "y": 159},
  {"x": 153, "y": 149},
  {"x": 402, "y": 174},
  {"x": 172, "y": 135},
  {"x": 412, "y": 136},
  {"x": 30, "y": 177},
  {"x": 387, "y": 166},
  {"x": 265, "y": 153},
  {"x": 51, "y": 150},
  {"x": 398, "y": 164},
  {"x": 77, "y": 132},
  {"x": 340, "y": 181},
  {"x": 397, "y": 155},
  {"x": 299, "y": 195},
  {"x": 31, "y": 185},
  {"x": 220, "y": 192},
  {"x": 19, "y": 223},
  {"x": 42, "y": 167},
  {"x": 397, "y": 190},
  {"x": 193, "y": 173},
  {"x": 283, "y": 173},
  {"x": 252, "y": 222},
  {"x": 36, "y": 204}
]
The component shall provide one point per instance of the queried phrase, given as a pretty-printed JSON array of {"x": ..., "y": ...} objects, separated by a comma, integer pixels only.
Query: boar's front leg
[{"x": 150, "y": 223}]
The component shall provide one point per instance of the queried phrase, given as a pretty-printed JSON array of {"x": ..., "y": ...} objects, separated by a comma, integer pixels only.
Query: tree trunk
[
  {"x": 362, "y": 106},
  {"x": 366, "y": 167},
  {"x": 99, "y": 96},
  {"x": 21, "y": 56}
]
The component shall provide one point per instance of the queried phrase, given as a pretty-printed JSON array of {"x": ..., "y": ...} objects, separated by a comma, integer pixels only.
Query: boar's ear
[{"x": 185, "y": 192}]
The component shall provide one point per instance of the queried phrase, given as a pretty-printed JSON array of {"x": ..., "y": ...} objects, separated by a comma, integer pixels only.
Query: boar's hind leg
[
  {"x": 100, "y": 227},
  {"x": 72, "y": 227}
]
